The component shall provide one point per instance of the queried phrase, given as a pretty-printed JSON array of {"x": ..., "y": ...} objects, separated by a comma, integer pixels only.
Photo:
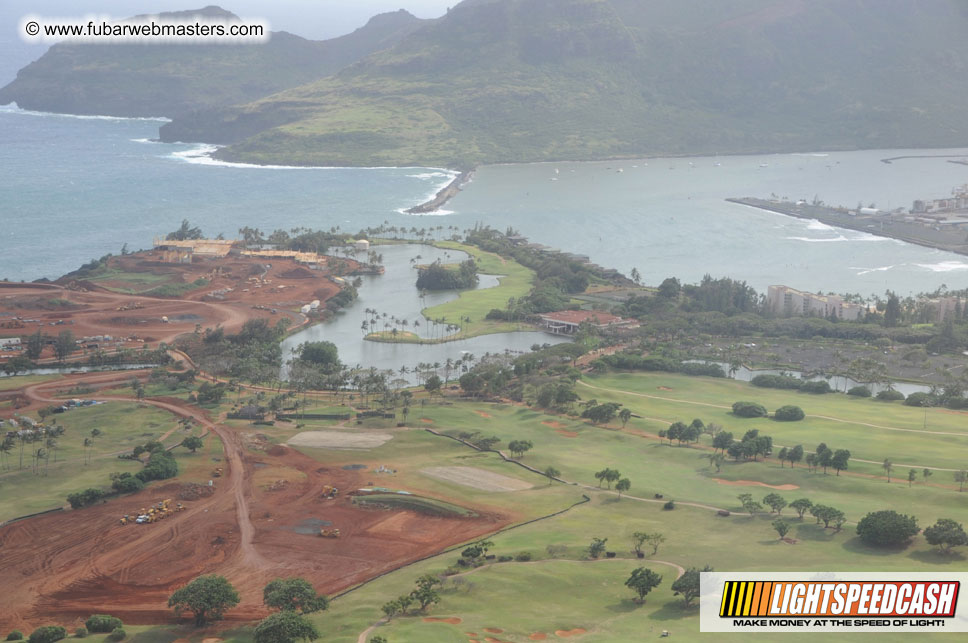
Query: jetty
[{"x": 445, "y": 194}]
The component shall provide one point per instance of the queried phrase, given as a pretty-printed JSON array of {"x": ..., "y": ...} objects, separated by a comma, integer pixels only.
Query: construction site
[
  {"x": 145, "y": 298},
  {"x": 269, "y": 512}
]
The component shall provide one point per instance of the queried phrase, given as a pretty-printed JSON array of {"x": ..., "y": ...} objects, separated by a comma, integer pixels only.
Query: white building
[{"x": 788, "y": 302}]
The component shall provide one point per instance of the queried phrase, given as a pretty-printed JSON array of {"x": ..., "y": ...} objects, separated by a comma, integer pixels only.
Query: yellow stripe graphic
[
  {"x": 722, "y": 607},
  {"x": 749, "y": 597}
]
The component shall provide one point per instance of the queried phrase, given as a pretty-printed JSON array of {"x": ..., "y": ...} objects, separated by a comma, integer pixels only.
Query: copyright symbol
[{"x": 32, "y": 28}]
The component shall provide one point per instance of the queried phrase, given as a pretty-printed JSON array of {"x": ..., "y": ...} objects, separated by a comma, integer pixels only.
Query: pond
[{"x": 395, "y": 293}]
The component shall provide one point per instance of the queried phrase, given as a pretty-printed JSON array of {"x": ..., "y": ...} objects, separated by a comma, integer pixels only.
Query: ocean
[{"x": 76, "y": 188}]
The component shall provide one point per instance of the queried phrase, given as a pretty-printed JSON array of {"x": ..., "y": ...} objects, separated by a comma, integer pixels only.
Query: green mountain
[
  {"x": 168, "y": 80},
  {"x": 534, "y": 80}
]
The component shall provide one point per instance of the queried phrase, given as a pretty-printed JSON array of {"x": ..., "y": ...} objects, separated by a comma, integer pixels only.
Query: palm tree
[
  {"x": 51, "y": 445},
  {"x": 88, "y": 443},
  {"x": 5, "y": 448},
  {"x": 888, "y": 467}
]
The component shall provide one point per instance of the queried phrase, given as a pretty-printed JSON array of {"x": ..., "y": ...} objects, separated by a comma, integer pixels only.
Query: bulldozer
[
  {"x": 217, "y": 472},
  {"x": 330, "y": 491},
  {"x": 329, "y": 533}
]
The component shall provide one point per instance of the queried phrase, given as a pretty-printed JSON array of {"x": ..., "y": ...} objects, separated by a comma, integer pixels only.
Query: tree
[
  {"x": 184, "y": 232},
  {"x": 670, "y": 288},
  {"x": 655, "y": 540},
  {"x": 285, "y": 627},
  {"x": 946, "y": 534},
  {"x": 47, "y": 634},
  {"x": 602, "y": 476},
  {"x": 597, "y": 548},
  {"x": 425, "y": 594},
  {"x": 552, "y": 473},
  {"x": 192, "y": 442},
  {"x": 961, "y": 477},
  {"x": 887, "y": 528},
  {"x": 638, "y": 538},
  {"x": 624, "y": 415},
  {"x": 782, "y": 456},
  {"x": 623, "y": 485},
  {"x": 788, "y": 413},
  {"x": 802, "y": 505},
  {"x": 642, "y": 581},
  {"x": 750, "y": 505},
  {"x": 926, "y": 473},
  {"x": 433, "y": 384},
  {"x": 293, "y": 594},
  {"x": 207, "y": 597},
  {"x": 391, "y": 609},
  {"x": 601, "y": 413},
  {"x": 795, "y": 455},
  {"x": 892, "y": 311},
  {"x": 775, "y": 502},
  {"x": 35, "y": 345},
  {"x": 519, "y": 447},
  {"x": 888, "y": 466},
  {"x": 912, "y": 476},
  {"x": 839, "y": 460},
  {"x": 64, "y": 345},
  {"x": 781, "y": 526},
  {"x": 688, "y": 584},
  {"x": 825, "y": 457},
  {"x": 722, "y": 440}
]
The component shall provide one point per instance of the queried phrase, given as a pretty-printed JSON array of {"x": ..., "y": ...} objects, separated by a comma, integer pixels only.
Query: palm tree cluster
[{"x": 45, "y": 439}]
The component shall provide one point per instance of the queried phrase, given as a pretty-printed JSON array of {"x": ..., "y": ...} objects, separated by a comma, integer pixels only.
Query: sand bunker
[
  {"x": 476, "y": 478},
  {"x": 484, "y": 414},
  {"x": 663, "y": 388},
  {"x": 554, "y": 424},
  {"x": 566, "y": 434},
  {"x": 426, "y": 420},
  {"x": 494, "y": 630},
  {"x": 578, "y": 631},
  {"x": 339, "y": 439},
  {"x": 538, "y": 636},
  {"x": 453, "y": 620},
  {"x": 754, "y": 483}
]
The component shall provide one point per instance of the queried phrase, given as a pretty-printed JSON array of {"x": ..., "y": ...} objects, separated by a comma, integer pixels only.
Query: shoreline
[
  {"x": 899, "y": 231},
  {"x": 443, "y": 195}
]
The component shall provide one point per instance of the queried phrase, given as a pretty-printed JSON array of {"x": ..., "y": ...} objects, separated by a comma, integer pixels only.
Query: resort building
[
  {"x": 566, "y": 322},
  {"x": 788, "y": 302}
]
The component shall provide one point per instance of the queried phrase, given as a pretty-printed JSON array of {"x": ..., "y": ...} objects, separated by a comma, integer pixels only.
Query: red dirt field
[
  {"x": 64, "y": 567},
  {"x": 237, "y": 291}
]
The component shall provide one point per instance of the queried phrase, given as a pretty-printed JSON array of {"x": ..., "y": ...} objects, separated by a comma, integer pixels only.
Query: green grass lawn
[
  {"x": 516, "y": 281},
  {"x": 123, "y": 425},
  {"x": 10, "y": 383},
  {"x": 566, "y": 592}
]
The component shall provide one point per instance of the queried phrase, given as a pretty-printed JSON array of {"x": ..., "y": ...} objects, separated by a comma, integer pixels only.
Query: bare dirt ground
[
  {"x": 239, "y": 289},
  {"x": 477, "y": 478},
  {"x": 755, "y": 483},
  {"x": 64, "y": 567},
  {"x": 340, "y": 439}
]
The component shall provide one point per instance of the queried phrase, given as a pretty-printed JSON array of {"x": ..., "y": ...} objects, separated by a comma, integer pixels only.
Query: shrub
[
  {"x": 669, "y": 505},
  {"x": 788, "y": 413},
  {"x": 889, "y": 395},
  {"x": 776, "y": 381},
  {"x": 117, "y": 634},
  {"x": 523, "y": 557},
  {"x": 80, "y": 632},
  {"x": 128, "y": 484},
  {"x": 749, "y": 410},
  {"x": 15, "y": 635},
  {"x": 920, "y": 399},
  {"x": 505, "y": 559},
  {"x": 102, "y": 623},
  {"x": 886, "y": 528},
  {"x": 859, "y": 391},
  {"x": 47, "y": 634},
  {"x": 818, "y": 386},
  {"x": 85, "y": 498}
]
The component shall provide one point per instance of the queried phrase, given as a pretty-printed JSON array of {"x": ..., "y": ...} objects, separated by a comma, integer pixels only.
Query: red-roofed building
[{"x": 566, "y": 322}]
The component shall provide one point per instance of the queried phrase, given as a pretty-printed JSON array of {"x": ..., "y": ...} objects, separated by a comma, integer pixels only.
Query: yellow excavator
[{"x": 329, "y": 533}]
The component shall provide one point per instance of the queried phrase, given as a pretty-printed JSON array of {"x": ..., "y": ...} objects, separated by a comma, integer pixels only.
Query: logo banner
[{"x": 833, "y": 602}]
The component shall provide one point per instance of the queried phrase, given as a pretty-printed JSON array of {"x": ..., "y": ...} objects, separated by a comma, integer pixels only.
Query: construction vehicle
[
  {"x": 217, "y": 472},
  {"x": 329, "y": 533},
  {"x": 330, "y": 491}
]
